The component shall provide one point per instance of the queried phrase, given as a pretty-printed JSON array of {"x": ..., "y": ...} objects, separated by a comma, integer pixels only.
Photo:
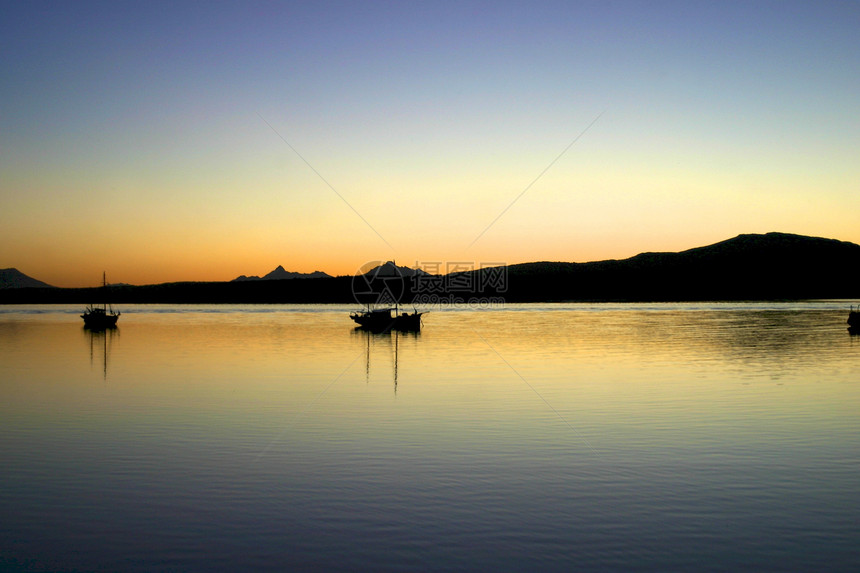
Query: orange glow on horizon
[{"x": 162, "y": 264}]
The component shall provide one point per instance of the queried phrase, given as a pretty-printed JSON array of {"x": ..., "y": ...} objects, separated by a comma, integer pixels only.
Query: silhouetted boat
[
  {"x": 100, "y": 317},
  {"x": 381, "y": 319},
  {"x": 854, "y": 321}
]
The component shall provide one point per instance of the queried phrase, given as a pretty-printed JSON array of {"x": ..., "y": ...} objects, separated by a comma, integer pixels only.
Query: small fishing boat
[
  {"x": 382, "y": 319},
  {"x": 100, "y": 317},
  {"x": 854, "y": 321}
]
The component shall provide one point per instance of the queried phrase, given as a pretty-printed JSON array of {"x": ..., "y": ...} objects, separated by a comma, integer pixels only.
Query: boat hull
[
  {"x": 381, "y": 321},
  {"x": 99, "y": 321}
]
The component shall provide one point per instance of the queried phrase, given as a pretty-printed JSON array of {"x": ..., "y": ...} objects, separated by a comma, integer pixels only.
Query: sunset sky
[{"x": 165, "y": 141}]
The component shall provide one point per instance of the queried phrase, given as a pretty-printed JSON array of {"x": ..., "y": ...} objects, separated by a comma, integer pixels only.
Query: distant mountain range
[
  {"x": 387, "y": 269},
  {"x": 13, "y": 278},
  {"x": 390, "y": 269},
  {"x": 772, "y": 266},
  {"x": 281, "y": 274}
]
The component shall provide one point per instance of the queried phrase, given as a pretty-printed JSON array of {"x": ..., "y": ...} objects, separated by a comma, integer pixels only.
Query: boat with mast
[
  {"x": 377, "y": 290},
  {"x": 100, "y": 317},
  {"x": 381, "y": 320}
]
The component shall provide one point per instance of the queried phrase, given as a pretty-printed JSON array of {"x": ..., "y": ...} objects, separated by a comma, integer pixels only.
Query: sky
[{"x": 182, "y": 141}]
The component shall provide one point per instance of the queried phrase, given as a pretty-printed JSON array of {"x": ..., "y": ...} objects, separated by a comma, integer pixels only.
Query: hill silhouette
[
  {"x": 391, "y": 269},
  {"x": 772, "y": 266},
  {"x": 752, "y": 266},
  {"x": 281, "y": 274},
  {"x": 13, "y": 278}
]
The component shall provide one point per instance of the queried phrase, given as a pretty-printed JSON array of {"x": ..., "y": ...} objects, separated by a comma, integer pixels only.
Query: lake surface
[{"x": 532, "y": 437}]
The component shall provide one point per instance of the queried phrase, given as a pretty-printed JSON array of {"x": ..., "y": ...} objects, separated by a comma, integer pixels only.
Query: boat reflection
[
  {"x": 390, "y": 338},
  {"x": 100, "y": 340}
]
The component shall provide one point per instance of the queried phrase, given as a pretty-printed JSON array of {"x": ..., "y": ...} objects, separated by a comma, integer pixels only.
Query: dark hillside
[
  {"x": 770, "y": 266},
  {"x": 13, "y": 278},
  {"x": 774, "y": 266}
]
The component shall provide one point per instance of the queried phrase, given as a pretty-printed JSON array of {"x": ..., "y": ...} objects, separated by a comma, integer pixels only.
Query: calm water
[{"x": 536, "y": 437}]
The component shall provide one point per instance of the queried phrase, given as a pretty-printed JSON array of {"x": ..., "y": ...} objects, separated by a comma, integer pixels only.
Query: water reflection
[
  {"x": 390, "y": 339},
  {"x": 242, "y": 431},
  {"x": 100, "y": 341}
]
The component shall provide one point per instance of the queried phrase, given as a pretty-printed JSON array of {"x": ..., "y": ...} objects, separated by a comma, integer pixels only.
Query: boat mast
[{"x": 396, "y": 337}]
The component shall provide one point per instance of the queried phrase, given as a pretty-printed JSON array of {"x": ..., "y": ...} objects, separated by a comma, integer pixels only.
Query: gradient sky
[{"x": 153, "y": 140}]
